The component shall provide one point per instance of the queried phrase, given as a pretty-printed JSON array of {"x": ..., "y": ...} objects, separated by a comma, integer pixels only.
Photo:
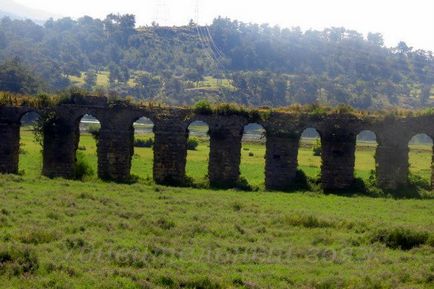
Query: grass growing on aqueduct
[{"x": 91, "y": 234}]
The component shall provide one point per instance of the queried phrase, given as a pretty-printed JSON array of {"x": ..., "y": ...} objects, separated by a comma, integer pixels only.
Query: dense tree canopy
[
  {"x": 264, "y": 65},
  {"x": 16, "y": 78}
]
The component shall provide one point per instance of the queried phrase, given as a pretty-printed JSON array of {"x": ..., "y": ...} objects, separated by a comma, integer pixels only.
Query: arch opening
[
  {"x": 86, "y": 156},
  {"x": 252, "y": 166},
  {"x": 366, "y": 146},
  {"x": 30, "y": 146},
  {"x": 143, "y": 158},
  {"x": 309, "y": 152},
  {"x": 420, "y": 160},
  {"x": 198, "y": 147}
]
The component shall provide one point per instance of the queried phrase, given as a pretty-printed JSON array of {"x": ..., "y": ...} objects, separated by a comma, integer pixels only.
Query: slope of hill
[{"x": 264, "y": 65}]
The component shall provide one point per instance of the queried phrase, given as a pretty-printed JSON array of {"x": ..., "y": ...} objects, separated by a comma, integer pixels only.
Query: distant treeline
[{"x": 249, "y": 63}]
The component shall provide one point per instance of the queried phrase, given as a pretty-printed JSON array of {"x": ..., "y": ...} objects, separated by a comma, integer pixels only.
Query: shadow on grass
[{"x": 416, "y": 188}]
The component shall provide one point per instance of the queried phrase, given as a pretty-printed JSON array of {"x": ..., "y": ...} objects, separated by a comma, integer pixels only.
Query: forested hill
[{"x": 226, "y": 61}]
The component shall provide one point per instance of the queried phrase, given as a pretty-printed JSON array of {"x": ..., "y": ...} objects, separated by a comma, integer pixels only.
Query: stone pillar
[
  {"x": 59, "y": 146},
  {"x": 392, "y": 165},
  {"x": 9, "y": 147},
  {"x": 338, "y": 156},
  {"x": 170, "y": 151},
  {"x": 225, "y": 154},
  {"x": 281, "y": 161},
  {"x": 115, "y": 147},
  {"x": 432, "y": 168}
]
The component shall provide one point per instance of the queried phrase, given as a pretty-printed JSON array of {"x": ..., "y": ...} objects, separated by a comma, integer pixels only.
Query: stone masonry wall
[
  {"x": 115, "y": 144},
  {"x": 225, "y": 150}
]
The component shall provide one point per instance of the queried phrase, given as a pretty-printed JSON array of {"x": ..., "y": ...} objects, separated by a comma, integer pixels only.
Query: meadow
[{"x": 93, "y": 234}]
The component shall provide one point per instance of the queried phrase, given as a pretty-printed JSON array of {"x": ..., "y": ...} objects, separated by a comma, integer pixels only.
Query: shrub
[
  {"x": 17, "y": 261},
  {"x": 301, "y": 182},
  {"x": 94, "y": 131},
  {"x": 37, "y": 236},
  {"x": 142, "y": 143},
  {"x": 82, "y": 167},
  {"x": 192, "y": 143},
  {"x": 307, "y": 221},
  {"x": 202, "y": 107},
  {"x": 400, "y": 238},
  {"x": 165, "y": 224},
  {"x": 75, "y": 243},
  {"x": 418, "y": 182},
  {"x": 251, "y": 154},
  {"x": 317, "y": 148},
  {"x": 243, "y": 185}
]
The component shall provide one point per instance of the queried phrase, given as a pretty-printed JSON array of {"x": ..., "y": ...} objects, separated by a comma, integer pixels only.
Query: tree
[
  {"x": 147, "y": 86},
  {"x": 90, "y": 79},
  {"x": 17, "y": 78},
  {"x": 375, "y": 39},
  {"x": 2, "y": 40},
  {"x": 193, "y": 75},
  {"x": 403, "y": 48},
  {"x": 119, "y": 28}
]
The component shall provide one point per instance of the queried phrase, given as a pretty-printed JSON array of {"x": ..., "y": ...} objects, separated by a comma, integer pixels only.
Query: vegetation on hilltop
[{"x": 228, "y": 61}]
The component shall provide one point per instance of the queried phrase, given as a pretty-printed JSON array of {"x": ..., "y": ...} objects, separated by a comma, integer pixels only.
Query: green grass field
[{"x": 91, "y": 234}]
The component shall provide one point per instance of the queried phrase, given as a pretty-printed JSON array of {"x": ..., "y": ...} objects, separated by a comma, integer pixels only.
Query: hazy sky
[{"x": 408, "y": 20}]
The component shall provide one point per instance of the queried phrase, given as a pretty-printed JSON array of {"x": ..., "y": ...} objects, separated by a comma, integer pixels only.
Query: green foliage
[
  {"x": 400, "y": 238},
  {"x": 231, "y": 109},
  {"x": 17, "y": 78},
  {"x": 131, "y": 231},
  {"x": 45, "y": 120},
  {"x": 192, "y": 143},
  {"x": 418, "y": 182},
  {"x": 144, "y": 143},
  {"x": 202, "y": 107},
  {"x": 316, "y": 149},
  {"x": 90, "y": 79},
  {"x": 94, "y": 130},
  {"x": 82, "y": 167},
  {"x": 17, "y": 260},
  {"x": 166, "y": 63},
  {"x": 243, "y": 185},
  {"x": 306, "y": 221},
  {"x": 38, "y": 236}
]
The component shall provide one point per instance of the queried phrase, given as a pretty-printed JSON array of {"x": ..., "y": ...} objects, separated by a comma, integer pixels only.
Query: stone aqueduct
[{"x": 338, "y": 132}]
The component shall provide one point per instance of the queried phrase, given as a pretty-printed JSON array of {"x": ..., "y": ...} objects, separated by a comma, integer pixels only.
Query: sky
[{"x": 411, "y": 21}]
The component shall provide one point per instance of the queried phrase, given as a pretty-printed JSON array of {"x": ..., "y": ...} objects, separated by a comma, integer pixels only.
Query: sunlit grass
[
  {"x": 94, "y": 234},
  {"x": 252, "y": 158}
]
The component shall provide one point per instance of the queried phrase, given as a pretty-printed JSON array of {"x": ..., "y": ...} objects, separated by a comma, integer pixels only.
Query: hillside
[{"x": 247, "y": 63}]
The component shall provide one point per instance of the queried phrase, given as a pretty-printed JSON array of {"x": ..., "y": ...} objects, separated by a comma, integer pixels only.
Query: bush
[
  {"x": 94, "y": 131},
  {"x": 301, "y": 182},
  {"x": 317, "y": 148},
  {"x": 142, "y": 143},
  {"x": 418, "y": 182},
  {"x": 243, "y": 185},
  {"x": 192, "y": 143},
  {"x": 165, "y": 224},
  {"x": 17, "y": 261},
  {"x": 37, "y": 236},
  {"x": 82, "y": 168},
  {"x": 400, "y": 238},
  {"x": 202, "y": 107}
]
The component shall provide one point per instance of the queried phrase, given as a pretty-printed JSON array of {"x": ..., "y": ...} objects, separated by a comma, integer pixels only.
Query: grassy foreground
[{"x": 91, "y": 234}]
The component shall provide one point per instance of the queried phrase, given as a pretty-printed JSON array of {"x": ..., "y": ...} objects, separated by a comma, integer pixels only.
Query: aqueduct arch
[{"x": 283, "y": 129}]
